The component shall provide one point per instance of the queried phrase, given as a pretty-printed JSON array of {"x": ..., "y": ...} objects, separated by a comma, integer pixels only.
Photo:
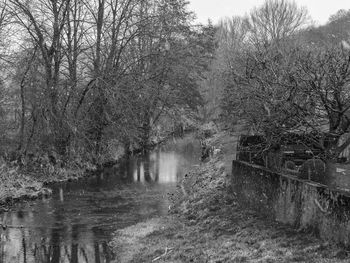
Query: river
[{"x": 76, "y": 223}]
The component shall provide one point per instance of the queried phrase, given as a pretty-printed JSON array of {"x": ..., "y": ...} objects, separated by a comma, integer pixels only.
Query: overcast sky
[{"x": 320, "y": 10}]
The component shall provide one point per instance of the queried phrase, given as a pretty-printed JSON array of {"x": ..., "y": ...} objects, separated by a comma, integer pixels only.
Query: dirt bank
[{"x": 206, "y": 224}]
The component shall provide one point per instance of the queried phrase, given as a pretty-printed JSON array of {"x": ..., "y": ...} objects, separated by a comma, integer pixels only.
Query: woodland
[{"x": 81, "y": 80}]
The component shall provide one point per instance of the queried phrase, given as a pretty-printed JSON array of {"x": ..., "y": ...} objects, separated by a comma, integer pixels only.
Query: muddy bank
[{"x": 206, "y": 224}]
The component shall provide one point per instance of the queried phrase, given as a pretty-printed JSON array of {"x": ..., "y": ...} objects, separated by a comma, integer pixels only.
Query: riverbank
[
  {"x": 206, "y": 224},
  {"x": 33, "y": 181},
  {"x": 32, "y": 178},
  {"x": 16, "y": 186}
]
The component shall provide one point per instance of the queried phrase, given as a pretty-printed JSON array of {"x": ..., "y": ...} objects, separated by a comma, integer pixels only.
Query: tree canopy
[
  {"x": 87, "y": 72},
  {"x": 279, "y": 77}
]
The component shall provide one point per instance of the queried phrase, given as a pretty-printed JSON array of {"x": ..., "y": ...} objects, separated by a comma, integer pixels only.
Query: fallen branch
[{"x": 163, "y": 255}]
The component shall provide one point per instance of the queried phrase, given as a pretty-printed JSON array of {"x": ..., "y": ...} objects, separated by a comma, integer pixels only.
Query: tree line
[
  {"x": 278, "y": 73},
  {"x": 77, "y": 76}
]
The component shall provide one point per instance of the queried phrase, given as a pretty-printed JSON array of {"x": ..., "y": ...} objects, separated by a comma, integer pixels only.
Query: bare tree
[
  {"x": 276, "y": 20},
  {"x": 342, "y": 13},
  {"x": 89, "y": 71},
  {"x": 44, "y": 23},
  {"x": 5, "y": 22},
  {"x": 323, "y": 77},
  {"x": 259, "y": 57},
  {"x": 232, "y": 37}
]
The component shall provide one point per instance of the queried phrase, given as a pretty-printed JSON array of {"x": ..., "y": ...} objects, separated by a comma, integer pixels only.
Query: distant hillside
[{"x": 333, "y": 33}]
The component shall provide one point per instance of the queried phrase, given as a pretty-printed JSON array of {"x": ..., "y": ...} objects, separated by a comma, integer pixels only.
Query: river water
[{"x": 76, "y": 223}]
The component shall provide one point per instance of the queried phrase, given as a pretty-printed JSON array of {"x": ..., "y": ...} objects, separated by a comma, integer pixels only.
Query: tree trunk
[{"x": 21, "y": 140}]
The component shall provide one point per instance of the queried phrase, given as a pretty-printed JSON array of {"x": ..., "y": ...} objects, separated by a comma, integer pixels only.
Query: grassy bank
[
  {"x": 16, "y": 186},
  {"x": 206, "y": 224},
  {"x": 32, "y": 180}
]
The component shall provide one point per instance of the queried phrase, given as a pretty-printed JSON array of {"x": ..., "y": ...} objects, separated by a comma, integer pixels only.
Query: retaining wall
[{"x": 300, "y": 203}]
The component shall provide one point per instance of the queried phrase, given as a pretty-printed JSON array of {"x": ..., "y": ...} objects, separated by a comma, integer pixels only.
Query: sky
[{"x": 319, "y": 10}]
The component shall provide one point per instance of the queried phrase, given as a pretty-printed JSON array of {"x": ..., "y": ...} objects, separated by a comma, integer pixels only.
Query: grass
[{"x": 206, "y": 224}]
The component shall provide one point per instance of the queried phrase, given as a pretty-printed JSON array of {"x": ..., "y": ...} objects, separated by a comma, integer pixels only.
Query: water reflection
[
  {"x": 78, "y": 221},
  {"x": 148, "y": 168},
  {"x": 20, "y": 245}
]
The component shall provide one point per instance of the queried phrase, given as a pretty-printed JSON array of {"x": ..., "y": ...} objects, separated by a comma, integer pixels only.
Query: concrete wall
[{"x": 300, "y": 203}]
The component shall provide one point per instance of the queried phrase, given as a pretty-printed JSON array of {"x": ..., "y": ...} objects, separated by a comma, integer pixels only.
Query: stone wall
[{"x": 303, "y": 204}]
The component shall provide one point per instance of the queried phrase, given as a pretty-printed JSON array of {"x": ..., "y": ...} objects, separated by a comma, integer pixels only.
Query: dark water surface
[{"x": 78, "y": 221}]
